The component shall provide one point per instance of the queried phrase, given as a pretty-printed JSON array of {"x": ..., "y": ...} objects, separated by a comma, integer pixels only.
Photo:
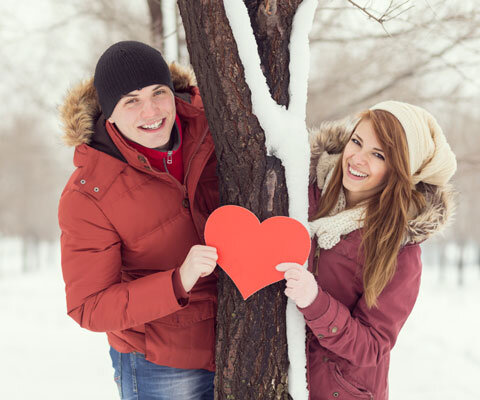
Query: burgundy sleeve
[{"x": 364, "y": 335}]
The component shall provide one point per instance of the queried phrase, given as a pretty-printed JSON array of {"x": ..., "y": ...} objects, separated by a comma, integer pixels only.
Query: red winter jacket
[
  {"x": 349, "y": 344},
  {"x": 127, "y": 228}
]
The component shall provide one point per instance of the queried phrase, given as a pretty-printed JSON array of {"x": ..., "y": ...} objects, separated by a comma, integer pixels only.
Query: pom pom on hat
[{"x": 431, "y": 158}]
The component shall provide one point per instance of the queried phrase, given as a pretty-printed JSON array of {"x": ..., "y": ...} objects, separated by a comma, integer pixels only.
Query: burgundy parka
[
  {"x": 349, "y": 344},
  {"x": 126, "y": 228}
]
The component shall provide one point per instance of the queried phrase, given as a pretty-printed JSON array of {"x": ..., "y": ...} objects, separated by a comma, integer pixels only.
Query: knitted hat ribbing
[
  {"x": 127, "y": 66},
  {"x": 431, "y": 158}
]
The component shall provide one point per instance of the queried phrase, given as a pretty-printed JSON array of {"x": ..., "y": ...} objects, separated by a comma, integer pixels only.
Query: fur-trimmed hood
[
  {"x": 328, "y": 141},
  {"x": 81, "y": 108}
]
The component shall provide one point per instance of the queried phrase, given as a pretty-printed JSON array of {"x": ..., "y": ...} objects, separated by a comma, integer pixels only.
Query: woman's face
[{"x": 363, "y": 164}]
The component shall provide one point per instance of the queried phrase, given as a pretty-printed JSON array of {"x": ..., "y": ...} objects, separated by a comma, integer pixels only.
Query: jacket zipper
[
  {"x": 316, "y": 260},
  {"x": 169, "y": 161},
  {"x": 165, "y": 166},
  {"x": 184, "y": 186}
]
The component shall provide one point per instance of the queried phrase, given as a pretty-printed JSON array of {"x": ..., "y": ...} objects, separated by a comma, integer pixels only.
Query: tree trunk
[
  {"x": 183, "y": 56},
  {"x": 251, "y": 349},
  {"x": 156, "y": 23}
]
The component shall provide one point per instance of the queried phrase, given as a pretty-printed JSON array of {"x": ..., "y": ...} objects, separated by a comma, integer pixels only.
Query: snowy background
[{"x": 426, "y": 52}]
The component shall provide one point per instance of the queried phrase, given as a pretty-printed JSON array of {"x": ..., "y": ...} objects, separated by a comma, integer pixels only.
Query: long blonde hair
[{"x": 386, "y": 216}]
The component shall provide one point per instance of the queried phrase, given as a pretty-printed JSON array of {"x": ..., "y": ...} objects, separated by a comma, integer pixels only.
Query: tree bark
[
  {"x": 251, "y": 349},
  {"x": 156, "y": 23}
]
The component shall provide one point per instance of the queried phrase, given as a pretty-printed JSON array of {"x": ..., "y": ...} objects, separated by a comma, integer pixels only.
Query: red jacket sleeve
[
  {"x": 364, "y": 335},
  {"x": 91, "y": 266}
]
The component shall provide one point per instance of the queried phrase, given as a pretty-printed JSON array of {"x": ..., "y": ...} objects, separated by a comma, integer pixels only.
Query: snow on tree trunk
[{"x": 251, "y": 350}]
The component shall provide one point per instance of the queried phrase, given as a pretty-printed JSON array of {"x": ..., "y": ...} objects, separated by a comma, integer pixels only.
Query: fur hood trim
[
  {"x": 81, "y": 107},
  {"x": 328, "y": 141}
]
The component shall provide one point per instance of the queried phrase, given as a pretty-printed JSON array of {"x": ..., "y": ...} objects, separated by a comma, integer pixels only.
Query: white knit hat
[{"x": 431, "y": 158}]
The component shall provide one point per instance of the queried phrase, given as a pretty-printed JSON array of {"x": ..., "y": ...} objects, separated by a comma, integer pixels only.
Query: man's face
[{"x": 146, "y": 116}]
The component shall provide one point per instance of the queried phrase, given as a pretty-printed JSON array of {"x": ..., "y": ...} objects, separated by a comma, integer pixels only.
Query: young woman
[{"x": 376, "y": 194}]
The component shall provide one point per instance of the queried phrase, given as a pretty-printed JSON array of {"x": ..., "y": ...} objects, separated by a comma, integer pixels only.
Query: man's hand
[
  {"x": 302, "y": 287},
  {"x": 200, "y": 262}
]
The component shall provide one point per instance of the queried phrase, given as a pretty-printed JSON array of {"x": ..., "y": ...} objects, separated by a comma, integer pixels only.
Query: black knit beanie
[{"x": 127, "y": 66}]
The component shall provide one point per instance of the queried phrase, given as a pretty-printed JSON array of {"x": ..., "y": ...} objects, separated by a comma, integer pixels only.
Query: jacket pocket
[
  {"x": 185, "y": 339},
  {"x": 346, "y": 390},
  {"x": 196, "y": 311}
]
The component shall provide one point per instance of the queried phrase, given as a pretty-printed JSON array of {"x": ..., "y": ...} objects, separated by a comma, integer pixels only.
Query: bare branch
[
  {"x": 387, "y": 15},
  {"x": 390, "y": 14},
  {"x": 410, "y": 72},
  {"x": 45, "y": 30},
  {"x": 469, "y": 160},
  {"x": 363, "y": 9},
  {"x": 462, "y": 19},
  {"x": 457, "y": 68}
]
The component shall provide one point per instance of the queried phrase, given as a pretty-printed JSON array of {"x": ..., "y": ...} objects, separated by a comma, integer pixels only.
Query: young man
[{"x": 132, "y": 217}]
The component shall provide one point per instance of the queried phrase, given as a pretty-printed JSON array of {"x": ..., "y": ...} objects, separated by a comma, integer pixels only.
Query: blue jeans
[{"x": 139, "y": 379}]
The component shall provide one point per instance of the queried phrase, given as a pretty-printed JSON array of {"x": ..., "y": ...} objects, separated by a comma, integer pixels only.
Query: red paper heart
[{"x": 248, "y": 250}]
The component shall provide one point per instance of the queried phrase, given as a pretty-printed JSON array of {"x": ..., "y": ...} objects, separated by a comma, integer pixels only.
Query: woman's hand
[
  {"x": 200, "y": 262},
  {"x": 302, "y": 287}
]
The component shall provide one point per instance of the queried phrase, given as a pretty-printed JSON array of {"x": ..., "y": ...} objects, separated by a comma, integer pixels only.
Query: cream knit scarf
[{"x": 339, "y": 221}]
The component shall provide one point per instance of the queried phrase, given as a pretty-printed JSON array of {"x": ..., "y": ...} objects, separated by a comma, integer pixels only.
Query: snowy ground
[
  {"x": 45, "y": 355},
  {"x": 437, "y": 355}
]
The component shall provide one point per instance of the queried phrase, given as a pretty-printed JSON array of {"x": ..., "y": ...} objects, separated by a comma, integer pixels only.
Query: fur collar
[
  {"x": 328, "y": 141},
  {"x": 81, "y": 109}
]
